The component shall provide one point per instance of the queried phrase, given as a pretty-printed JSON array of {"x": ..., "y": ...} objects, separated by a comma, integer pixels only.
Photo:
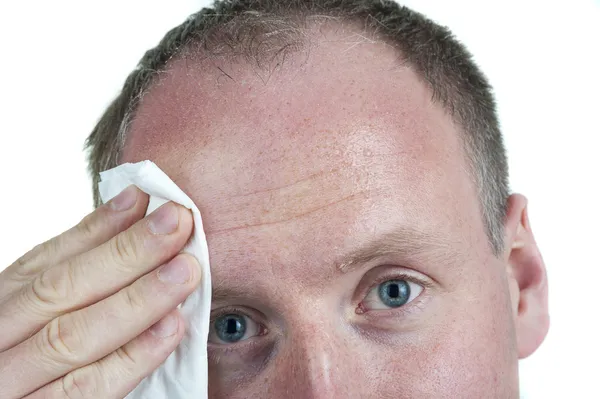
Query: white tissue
[{"x": 184, "y": 375}]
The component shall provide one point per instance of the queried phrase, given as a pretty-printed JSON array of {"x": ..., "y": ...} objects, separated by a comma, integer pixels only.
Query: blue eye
[
  {"x": 391, "y": 294},
  {"x": 394, "y": 293},
  {"x": 231, "y": 328}
]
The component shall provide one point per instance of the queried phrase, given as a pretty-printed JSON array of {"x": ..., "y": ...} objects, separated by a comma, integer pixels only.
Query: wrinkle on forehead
[
  {"x": 324, "y": 140},
  {"x": 281, "y": 219}
]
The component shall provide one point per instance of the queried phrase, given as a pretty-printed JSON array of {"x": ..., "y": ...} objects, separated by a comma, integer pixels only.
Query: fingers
[
  {"x": 96, "y": 274},
  {"x": 96, "y": 228},
  {"x": 82, "y": 337},
  {"x": 117, "y": 374}
]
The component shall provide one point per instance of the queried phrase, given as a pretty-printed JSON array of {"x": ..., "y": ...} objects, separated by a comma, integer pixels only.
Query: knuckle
[
  {"x": 78, "y": 384},
  {"x": 22, "y": 262},
  {"x": 46, "y": 292},
  {"x": 40, "y": 252},
  {"x": 31, "y": 255},
  {"x": 86, "y": 227},
  {"x": 61, "y": 343},
  {"x": 124, "y": 248},
  {"x": 48, "y": 247},
  {"x": 126, "y": 359},
  {"x": 134, "y": 298},
  {"x": 25, "y": 267}
]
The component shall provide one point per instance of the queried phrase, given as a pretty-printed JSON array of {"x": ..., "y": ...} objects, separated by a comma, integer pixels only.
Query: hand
[{"x": 89, "y": 313}]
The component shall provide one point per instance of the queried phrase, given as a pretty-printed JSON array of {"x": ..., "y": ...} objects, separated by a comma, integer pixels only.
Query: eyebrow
[
  {"x": 406, "y": 242},
  {"x": 403, "y": 241}
]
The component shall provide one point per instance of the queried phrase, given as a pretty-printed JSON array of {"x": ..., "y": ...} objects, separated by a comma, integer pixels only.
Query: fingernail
[
  {"x": 177, "y": 271},
  {"x": 166, "y": 327},
  {"x": 164, "y": 220},
  {"x": 125, "y": 200}
]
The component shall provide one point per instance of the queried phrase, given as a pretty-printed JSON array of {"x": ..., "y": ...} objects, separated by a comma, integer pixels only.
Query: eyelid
[
  {"x": 372, "y": 301},
  {"x": 215, "y": 314},
  {"x": 253, "y": 316},
  {"x": 390, "y": 273}
]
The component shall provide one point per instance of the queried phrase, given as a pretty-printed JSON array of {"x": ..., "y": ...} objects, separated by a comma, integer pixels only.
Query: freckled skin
[{"x": 290, "y": 175}]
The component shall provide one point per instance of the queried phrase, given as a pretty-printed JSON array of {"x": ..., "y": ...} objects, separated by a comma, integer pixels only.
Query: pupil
[
  {"x": 232, "y": 326},
  {"x": 393, "y": 290},
  {"x": 394, "y": 293}
]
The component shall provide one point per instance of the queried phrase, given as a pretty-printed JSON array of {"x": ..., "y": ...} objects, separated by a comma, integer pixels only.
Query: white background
[{"x": 63, "y": 61}]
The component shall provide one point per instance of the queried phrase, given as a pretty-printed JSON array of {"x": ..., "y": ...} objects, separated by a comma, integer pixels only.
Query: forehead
[{"x": 343, "y": 140}]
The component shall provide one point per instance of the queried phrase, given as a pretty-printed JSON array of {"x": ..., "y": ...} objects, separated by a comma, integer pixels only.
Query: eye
[
  {"x": 231, "y": 328},
  {"x": 391, "y": 294}
]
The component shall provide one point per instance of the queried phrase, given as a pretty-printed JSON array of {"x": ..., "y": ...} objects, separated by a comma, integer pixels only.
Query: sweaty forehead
[{"x": 336, "y": 136}]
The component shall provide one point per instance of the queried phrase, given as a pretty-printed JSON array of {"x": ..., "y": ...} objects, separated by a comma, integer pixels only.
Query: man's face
[{"x": 348, "y": 253}]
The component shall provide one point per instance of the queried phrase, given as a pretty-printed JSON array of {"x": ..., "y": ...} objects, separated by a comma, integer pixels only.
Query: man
[{"x": 349, "y": 167}]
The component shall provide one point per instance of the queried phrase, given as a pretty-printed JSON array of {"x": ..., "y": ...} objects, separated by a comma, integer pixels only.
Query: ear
[{"x": 527, "y": 278}]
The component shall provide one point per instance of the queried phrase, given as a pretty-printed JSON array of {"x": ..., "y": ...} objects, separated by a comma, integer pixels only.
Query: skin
[
  {"x": 317, "y": 182},
  {"x": 91, "y": 312},
  {"x": 296, "y": 172}
]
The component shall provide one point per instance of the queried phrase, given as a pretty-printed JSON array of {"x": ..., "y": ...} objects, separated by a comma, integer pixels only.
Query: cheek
[
  {"x": 463, "y": 360},
  {"x": 466, "y": 350},
  {"x": 472, "y": 352},
  {"x": 466, "y": 362}
]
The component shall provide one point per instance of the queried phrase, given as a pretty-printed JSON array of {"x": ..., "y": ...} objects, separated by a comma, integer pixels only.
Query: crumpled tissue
[{"x": 184, "y": 374}]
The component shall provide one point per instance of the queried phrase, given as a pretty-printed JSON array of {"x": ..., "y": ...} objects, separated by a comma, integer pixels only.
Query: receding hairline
[{"x": 253, "y": 28}]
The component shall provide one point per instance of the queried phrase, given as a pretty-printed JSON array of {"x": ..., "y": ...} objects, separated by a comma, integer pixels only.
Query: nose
[{"x": 317, "y": 361}]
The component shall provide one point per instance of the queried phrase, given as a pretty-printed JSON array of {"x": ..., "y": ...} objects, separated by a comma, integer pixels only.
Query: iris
[
  {"x": 394, "y": 293},
  {"x": 230, "y": 328}
]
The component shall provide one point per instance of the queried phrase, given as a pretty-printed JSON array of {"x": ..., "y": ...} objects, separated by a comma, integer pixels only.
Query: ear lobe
[{"x": 527, "y": 278}]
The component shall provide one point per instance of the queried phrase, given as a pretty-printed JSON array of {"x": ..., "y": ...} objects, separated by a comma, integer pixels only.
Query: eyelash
[
  {"x": 238, "y": 311},
  {"x": 387, "y": 276},
  {"x": 246, "y": 349},
  {"x": 227, "y": 310}
]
